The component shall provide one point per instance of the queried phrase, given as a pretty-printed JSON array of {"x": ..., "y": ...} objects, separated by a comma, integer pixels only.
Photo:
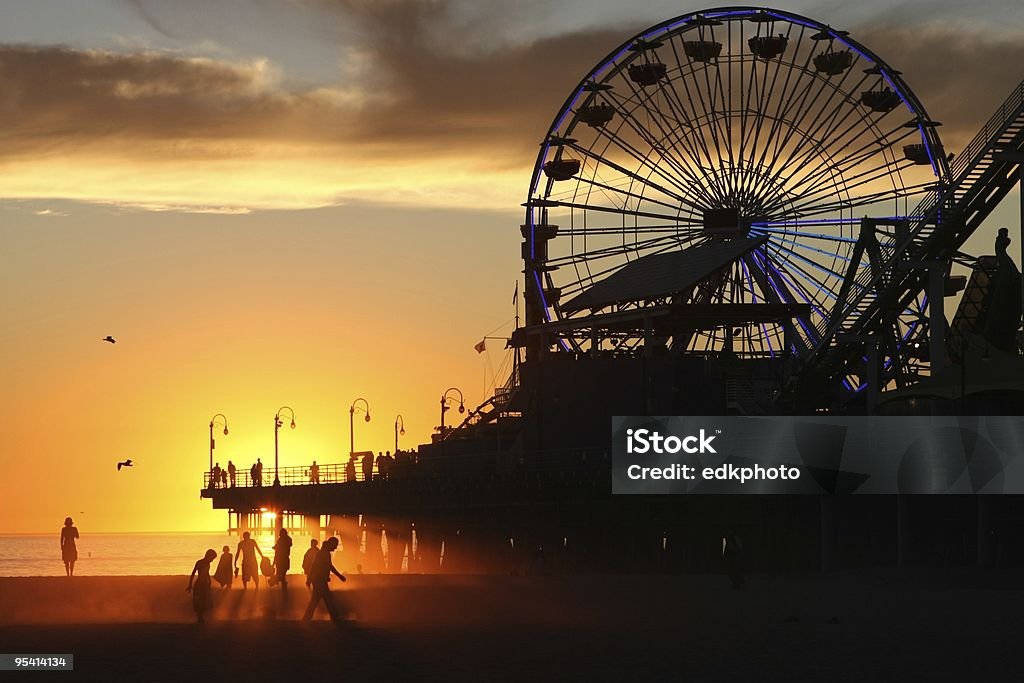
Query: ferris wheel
[{"x": 751, "y": 135}]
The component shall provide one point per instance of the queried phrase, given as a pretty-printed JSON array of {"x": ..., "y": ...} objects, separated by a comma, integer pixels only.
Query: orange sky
[
  {"x": 239, "y": 314},
  {"x": 298, "y": 204}
]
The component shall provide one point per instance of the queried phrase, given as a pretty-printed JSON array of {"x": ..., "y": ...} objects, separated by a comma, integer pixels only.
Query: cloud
[{"x": 416, "y": 115}]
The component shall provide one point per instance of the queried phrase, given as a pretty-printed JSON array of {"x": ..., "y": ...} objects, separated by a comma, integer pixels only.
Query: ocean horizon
[{"x": 153, "y": 553}]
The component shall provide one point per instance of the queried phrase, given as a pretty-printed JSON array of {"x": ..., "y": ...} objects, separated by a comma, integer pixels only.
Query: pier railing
[{"x": 410, "y": 467}]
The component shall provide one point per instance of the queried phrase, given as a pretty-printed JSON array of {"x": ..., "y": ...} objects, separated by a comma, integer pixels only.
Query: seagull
[
  {"x": 126, "y": 463},
  {"x": 110, "y": 339}
]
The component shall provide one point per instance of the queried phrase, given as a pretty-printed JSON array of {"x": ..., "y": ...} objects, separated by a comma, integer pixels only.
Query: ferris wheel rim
[{"x": 675, "y": 26}]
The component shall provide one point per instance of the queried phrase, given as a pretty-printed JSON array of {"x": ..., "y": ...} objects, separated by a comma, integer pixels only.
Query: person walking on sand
[
  {"x": 68, "y": 549},
  {"x": 224, "y": 575},
  {"x": 247, "y": 549},
  {"x": 319, "y": 576},
  {"x": 231, "y": 473},
  {"x": 283, "y": 558},
  {"x": 307, "y": 560},
  {"x": 202, "y": 597}
]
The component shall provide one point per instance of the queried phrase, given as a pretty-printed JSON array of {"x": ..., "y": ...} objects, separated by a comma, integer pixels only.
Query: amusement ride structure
[
  {"x": 737, "y": 211},
  {"x": 749, "y": 182}
]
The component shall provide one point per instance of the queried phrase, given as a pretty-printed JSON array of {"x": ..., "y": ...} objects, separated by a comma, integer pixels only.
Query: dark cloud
[
  {"x": 961, "y": 75},
  {"x": 424, "y": 91}
]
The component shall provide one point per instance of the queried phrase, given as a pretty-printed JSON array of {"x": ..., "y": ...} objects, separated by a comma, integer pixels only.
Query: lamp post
[
  {"x": 399, "y": 430},
  {"x": 214, "y": 423},
  {"x": 351, "y": 422},
  {"x": 444, "y": 408},
  {"x": 277, "y": 425}
]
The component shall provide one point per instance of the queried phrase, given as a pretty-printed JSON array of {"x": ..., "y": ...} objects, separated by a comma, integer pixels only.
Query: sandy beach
[{"x": 844, "y": 626}]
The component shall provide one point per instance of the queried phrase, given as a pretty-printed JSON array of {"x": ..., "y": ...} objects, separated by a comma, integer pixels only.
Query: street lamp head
[
  {"x": 225, "y": 431},
  {"x": 402, "y": 432},
  {"x": 462, "y": 408},
  {"x": 293, "y": 424},
  {"x": 367, "y": 418}
]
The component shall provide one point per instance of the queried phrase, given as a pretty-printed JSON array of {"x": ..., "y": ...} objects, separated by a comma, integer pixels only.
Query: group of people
[
  {"x": 316, "y": 566},
  {"x": 387, "y": 467},
  {"x": 220, "y": 476}
]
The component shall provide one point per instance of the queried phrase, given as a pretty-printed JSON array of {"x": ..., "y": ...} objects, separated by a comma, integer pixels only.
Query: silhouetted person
[
  {"x": 224, "y": 575},
  {"x": 368, "y": 466},
  {"x": 252, "y": 475},
  {"x": 314, "y": 473},
  {"x": 732, "y": 558},
  {"x": 202, "y": 598},
  {"x": 247, "y": 550},
  {"x": 224, "y": 478},
  {"x": 231, "y": 473},
  {"x": 68, "y": 549},
  {"x": 215, "y": 479},
  {"x": 319, "y": 576},
  {"x": 307, "y": 560},
  {"x": 259, "y": 472},
  {"x": 350, "y": 468},
  {"x": 1003, "y": 301},
  {"x": 283, "y": 558}
]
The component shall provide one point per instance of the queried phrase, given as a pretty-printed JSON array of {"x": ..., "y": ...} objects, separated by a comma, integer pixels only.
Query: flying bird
[
  {"x": 110, "y": 339},
  {"x": 126, "y": 463}
]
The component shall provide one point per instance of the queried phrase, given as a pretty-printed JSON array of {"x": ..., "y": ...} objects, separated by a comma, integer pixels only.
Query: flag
[
  {"x": 482, "y": 346},
  {"x": 515, "y": 296}
]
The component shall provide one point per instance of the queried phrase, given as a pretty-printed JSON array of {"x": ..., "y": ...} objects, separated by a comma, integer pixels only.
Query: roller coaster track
[{"x": 940, "y": 225}]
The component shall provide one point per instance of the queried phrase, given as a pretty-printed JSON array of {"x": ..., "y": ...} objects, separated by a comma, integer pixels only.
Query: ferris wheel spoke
[
  {"x": 606, "y": 189},
  {"x": 785, "y": 95},
  {"x": 704, "y": 111},
  {"x": 648, "y": 163},
  {"x": 645, "y": 229},
  {"x": 684, "y": 204},
  {"x": 646, "y": 136},
  {"x": 822, "y": 202},
  {"x": 852, "y": 157},
  {"x": 613, "y": 250},
  {"x": 651, "y": 247},
  {"x": 805, "y": 148},
  {"x": 674, "y": 139},
  {"x": 757, "y": 229},
  {"x": 868, "y": 148},
  {"x": 818, "y": 112}
]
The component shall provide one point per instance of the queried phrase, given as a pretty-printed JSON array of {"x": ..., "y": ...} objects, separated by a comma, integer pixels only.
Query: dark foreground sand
[{"x": 844, "y": 626}]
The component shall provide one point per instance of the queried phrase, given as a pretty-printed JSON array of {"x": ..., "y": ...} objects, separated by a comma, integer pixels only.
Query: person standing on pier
[
  {"x": 215, "y": 479},
  {"x": 202, "y": 597},
  {"x": 252, "y": 475},
  {"x": 350, "y": 468},
  {"x": 319, "y": 576},
  {"x": 231, "y": 473},
  {"x": 314, "y": 473},
  {"x": 68, "y": 549},
  {"x": 283, "y": 558},
  {"x": 368, "y": 466},
  {"x": 247, "y": 549},
  {"x": 259, "y": 472}
]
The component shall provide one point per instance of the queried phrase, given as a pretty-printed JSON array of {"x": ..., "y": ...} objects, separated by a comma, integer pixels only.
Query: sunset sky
[{"x": 299, "y": 202}]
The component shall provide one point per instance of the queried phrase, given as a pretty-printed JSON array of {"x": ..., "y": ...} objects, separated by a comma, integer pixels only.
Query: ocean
[{"x": 124, "y": 554}]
